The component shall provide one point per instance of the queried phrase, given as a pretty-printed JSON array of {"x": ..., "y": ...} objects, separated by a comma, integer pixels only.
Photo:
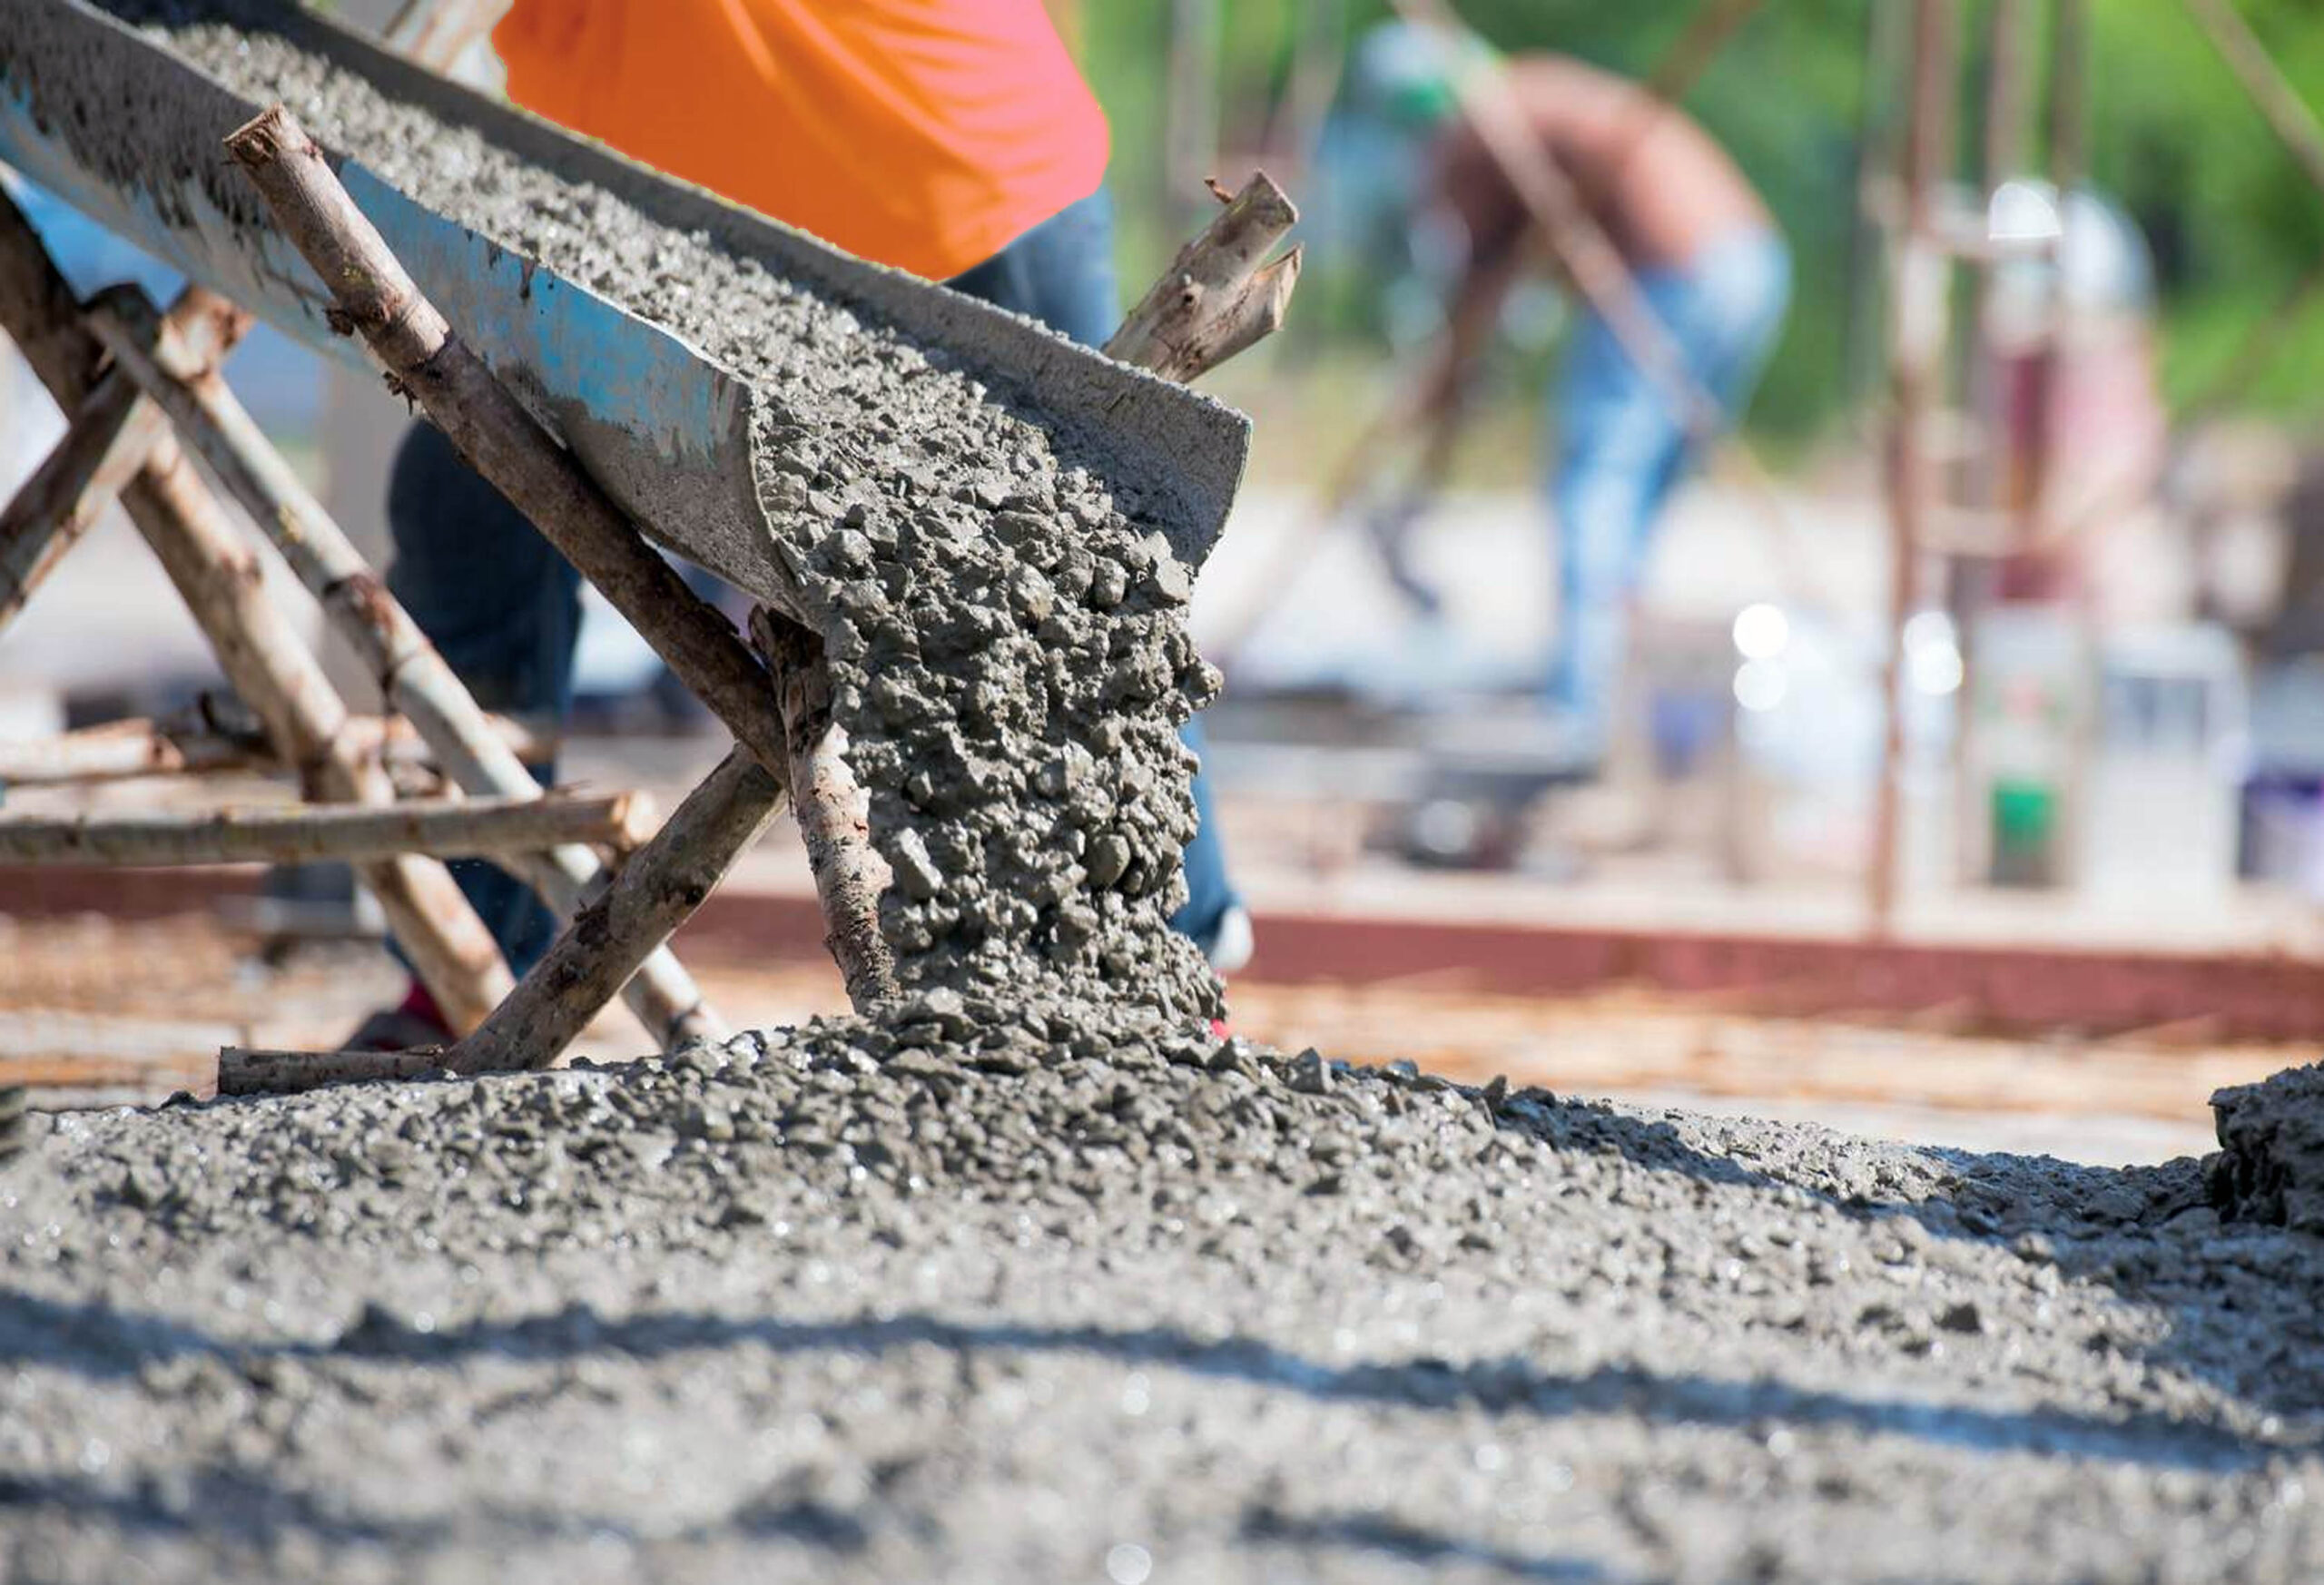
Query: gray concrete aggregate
[
  {"x": 981, "y": 1292},
  {"x": 2271, "y": 1167}
]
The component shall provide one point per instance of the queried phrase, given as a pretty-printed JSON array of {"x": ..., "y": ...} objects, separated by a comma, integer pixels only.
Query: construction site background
[{"x": 2174, "y": 709}]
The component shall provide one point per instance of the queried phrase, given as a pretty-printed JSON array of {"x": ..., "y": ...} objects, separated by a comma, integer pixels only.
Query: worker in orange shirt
[{"x": 952, "y": 138}]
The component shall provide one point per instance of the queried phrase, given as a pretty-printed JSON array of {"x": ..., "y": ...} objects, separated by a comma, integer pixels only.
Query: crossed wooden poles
[{"x": 139, "y": 384}]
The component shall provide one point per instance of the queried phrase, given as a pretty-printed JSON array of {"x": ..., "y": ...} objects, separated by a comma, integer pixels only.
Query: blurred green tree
[{"x": 2233, "y": 222}]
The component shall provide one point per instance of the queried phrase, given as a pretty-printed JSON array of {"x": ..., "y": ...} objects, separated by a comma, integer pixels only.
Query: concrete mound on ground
[
  {"x": 986, "y": 1293},
  {"x": 2270, "y": 1165}
]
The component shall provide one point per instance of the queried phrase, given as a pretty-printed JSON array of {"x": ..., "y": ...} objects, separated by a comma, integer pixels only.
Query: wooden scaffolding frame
[{"x": 140, "y": 389}]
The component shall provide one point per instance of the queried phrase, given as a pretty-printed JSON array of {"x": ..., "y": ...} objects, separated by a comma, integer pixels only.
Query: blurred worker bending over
[
  {"x": 955, "y": 139},
  {"x": 1708, "y": 261}
]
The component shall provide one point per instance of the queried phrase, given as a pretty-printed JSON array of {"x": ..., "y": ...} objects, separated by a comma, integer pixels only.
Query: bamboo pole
[
  {"x": 107, "y": 440},
  {"x": 218, "y": 574},
  {"x": 413, "y": 676},
  {"x": 448, "y": 828},
  {"x": 124, "y": 749},
  {"x": 497, "y": 436},
  {"x": 1221, "y": 293},
  {"x": 832, "y": 812}
]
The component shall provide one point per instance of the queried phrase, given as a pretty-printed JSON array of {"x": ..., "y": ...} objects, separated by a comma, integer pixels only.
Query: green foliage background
[{"x": 2233, "y": 222}]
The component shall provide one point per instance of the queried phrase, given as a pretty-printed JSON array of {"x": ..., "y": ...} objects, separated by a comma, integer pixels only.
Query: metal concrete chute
[{"x": 113, "y": 120}]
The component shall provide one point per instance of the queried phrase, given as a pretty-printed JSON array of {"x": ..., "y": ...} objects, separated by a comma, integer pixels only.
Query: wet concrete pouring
[{"x": 1032, "y": 1277}]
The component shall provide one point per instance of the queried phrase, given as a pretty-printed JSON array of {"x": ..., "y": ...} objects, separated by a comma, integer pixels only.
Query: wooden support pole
[
  {"x": 412, "y": 674},
  {"x": 497, "y": 436},
  {"x": 244, "y": 1072},
  {"x": 1221, "y": 293},
  {"x": 217, "y": 574},
  {"x": 654, "y": 892},
  {"x": 449, "y": 828},
  {"x": 107, "y": 440},
  {"x": 2294, "y": 124},
  {"x": 833, "y": 810},
  {"x": 652, "y": 895},
  {"x": 122, "y": 750},
  {"x": 106, "y": 443},
  {"x": 1916, "y": 344}
]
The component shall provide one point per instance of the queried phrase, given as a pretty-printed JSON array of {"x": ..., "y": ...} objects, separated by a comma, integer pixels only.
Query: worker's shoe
[
  {"x": 1232, "y": 943},
  {"x": 414, "y": 1025}
]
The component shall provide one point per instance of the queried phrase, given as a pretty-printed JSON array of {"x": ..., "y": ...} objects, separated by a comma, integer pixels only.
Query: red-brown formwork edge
[
  {"x": 2006, "y": 987},
  {"x": 2013, "y": 987},
  {"x": 44, "y": 891}
]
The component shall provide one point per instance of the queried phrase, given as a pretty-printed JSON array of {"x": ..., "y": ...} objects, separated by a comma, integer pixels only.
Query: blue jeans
[
  {"x": 1623, "y": 446},
  {"x": 504, "y": 608}
]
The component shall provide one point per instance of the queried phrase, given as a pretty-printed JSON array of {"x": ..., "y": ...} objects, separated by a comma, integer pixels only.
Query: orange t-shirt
[{"x": 928, "y": 134}]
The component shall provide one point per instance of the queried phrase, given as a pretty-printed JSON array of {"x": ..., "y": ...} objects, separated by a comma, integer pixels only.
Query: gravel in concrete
[{"x": 978, "y": 1296}]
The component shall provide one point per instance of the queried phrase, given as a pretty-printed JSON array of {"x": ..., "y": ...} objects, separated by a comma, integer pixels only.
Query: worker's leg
[
  {"x": 1729, "y": 309},
  {"x": 1619, "y": 449},
  {"x": 1624, "y": 448},
  {"x": 504, "y": 608},
  {"x": 1211, "y": 899},
  {"x": 1061, "y": 272}
]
